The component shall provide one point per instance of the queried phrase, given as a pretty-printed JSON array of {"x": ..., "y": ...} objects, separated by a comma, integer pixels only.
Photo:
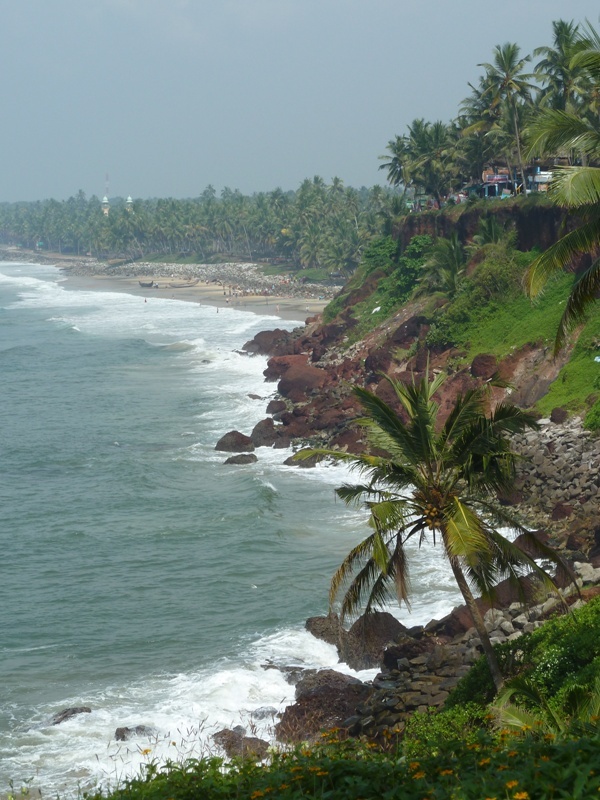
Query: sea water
[{"x": 141, "y": 576}]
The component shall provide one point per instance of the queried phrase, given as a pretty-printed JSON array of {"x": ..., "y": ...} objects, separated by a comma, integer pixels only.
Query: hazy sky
[{"x": 167, "y": 96}]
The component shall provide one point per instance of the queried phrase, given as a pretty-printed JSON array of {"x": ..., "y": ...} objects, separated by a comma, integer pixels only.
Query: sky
[{"x": 168, "y": 96}]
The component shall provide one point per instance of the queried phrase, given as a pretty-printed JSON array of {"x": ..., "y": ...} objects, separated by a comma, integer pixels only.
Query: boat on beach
[
  {"x": 146, "y": 284},
  {"x": 186, "y": 285}
]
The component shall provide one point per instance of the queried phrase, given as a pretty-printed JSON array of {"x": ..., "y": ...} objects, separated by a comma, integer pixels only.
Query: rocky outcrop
[
  {"x": 126, "y": 733},
  {"x": 68, "y": 713},
  {"x": 325, "y": 706},
  {"x": 242, "y": 458},
  {"x": 235, "y": 442},
  {"x": 236, "y": 744}
]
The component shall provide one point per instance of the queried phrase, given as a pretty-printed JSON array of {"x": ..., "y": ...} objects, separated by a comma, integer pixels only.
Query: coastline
[{"x": 278, "y": 305}]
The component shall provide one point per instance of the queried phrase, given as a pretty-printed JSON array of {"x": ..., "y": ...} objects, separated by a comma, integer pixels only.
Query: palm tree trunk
[{"x": 479, "y": 625}]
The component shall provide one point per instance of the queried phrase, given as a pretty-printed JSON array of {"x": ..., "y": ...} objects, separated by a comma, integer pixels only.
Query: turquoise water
[{"x": 141, "y": 576}]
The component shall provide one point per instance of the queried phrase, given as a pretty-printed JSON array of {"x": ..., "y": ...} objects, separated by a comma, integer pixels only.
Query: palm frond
[
  {"x": 582, "y": 240},
  {"x": 583, "y": 295},
  {"x": 464, "y": 533},
  {"x": 555, "y": 130},
  {"x": 576, "y": 187}
]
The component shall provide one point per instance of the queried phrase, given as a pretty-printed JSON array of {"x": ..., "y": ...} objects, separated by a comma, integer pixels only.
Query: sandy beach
[
  {"x": 277, "y": 305},
  {"x": 235, "y": 285}
]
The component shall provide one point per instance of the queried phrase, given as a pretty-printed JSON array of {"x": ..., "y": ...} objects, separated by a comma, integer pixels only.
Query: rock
[
  {"x": 312, "y": 461},
  {"x": 363, "y": 646},
  {"x": 271, "y": 343},
  {"x": 235, "y": 442},
  {"x": 242, "y": 458},
  {"x": 265, "y": 433},
  {"x": 276, "y": 406},
  {"x": 67, "y": 713},
  {"x": 558, "y": 415},
  {"x": 235, "y": 744},
  {"x": 126, "y": 733},
  {"x": 264, "y": 712},
  {"x": 484, "y": 366},
  {"x": 328, "y": 629},
  {"x": 321, "y": 709},
  {"x": 314, "y": 682}
]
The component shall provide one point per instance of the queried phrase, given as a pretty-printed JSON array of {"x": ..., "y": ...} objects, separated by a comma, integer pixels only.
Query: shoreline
[{"x": 278, "y": 306}]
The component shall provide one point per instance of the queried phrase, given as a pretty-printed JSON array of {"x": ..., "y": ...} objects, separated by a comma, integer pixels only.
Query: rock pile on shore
[
  {"x": 240, "y": 277},
  {"x": 420, "y": 668}
]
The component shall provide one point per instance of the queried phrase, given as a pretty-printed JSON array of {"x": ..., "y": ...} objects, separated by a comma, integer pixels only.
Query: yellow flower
[
  {"x": 521, "y": 796},
  {"x": 284, "y": 786},
  {"x": 484, "y": 761},
  {"x": 256, "y": 794},
  {"x": 414, "y": 765},
  {"x": 419, "y": 775},
  {"x": 146, "y": 750},
  {"x": 296, "y": 769},
  {"x": 322, "y": 772},
  {"x": 511, "y": 784},
  {"x": 512, "y": 754},
  {"x": 447, "y": 772}
]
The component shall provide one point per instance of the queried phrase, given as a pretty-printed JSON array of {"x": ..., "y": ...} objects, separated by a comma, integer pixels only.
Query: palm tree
[
  {"x": 444, "y": 269},
  {"x": 554, "y": 71},
  {"x": 437, "y": 484},
  {"x": 507, "y": 83},
  {"x": 577, "y": 189}
]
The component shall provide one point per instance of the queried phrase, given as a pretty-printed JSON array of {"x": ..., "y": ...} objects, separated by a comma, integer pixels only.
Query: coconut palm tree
[
  {"x": 507, "y": 83},
  {"x": 437, "y": 484},
  {"x": 577, "y": 189},
  {"x": 444, "y": 268},
  {"x": 560, "y": 79}
]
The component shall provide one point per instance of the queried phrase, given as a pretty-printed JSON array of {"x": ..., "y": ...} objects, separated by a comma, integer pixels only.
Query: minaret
[
  {"x": 129, "y": 204},
  {"x": 105, "y": 203}
]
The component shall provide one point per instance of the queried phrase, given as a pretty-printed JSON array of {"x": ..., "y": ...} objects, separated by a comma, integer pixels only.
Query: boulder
[
  {"x": 236, "y": 744},
  {"x": 67, "y": 713},
  {"x": 271, "y": 343},
  {"x": 242, "y": 458},
  {"x": 559, "y": 415},
  {"x": 265, "y": 433},
  {"x": 363, "y": 646},
  {"x": 484, "y": 366},
  {"x": 328, "y": 629},
  {"x": 235, "y": 442},
  {"x": 324, "y": 708},
  {"x": 315, "y": 681},
  {"x": 126, "y": 733},
  {"x": 276, "y": 406}
]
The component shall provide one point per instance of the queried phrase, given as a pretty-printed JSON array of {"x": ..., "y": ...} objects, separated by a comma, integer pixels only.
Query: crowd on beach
[{"x": 237, "y": 279}]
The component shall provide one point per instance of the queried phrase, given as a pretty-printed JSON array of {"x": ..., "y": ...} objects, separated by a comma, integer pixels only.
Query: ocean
[{"x": 141, "y": 576}]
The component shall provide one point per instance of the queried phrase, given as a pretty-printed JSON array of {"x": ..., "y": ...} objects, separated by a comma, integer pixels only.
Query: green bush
[
  {"x": 592, "y": 418},
  {"x": 432, "y": 732}
]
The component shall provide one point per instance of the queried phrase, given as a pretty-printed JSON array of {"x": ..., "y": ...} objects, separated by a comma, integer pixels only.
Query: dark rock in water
[
  {"x": 276, "y": 406},
  {"x": 242, "y": 458},
  {"x": 312, "y": 461},
  {"x": 315, "y": 682},
  {"x": 265, "y": 433},
  {"x": 254, "y": 396},
  {"x": 67, "y": 713},
  {"x": 236, "y": 744},
  {"x": 328, "y": 629},
  {"x": 235, "y": 442},
  {"x": 559, "y": 415},
  {"x": 271, "y": 343},
  {"x": 265, "y": 712},
  {"x": 125, "y": 733},
  {"x": 324, "y": 708},
  {"x": 363, "y": 646}
]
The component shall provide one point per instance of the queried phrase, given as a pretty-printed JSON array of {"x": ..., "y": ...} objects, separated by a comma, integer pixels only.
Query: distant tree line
[{"x": 318, "y": 226}]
